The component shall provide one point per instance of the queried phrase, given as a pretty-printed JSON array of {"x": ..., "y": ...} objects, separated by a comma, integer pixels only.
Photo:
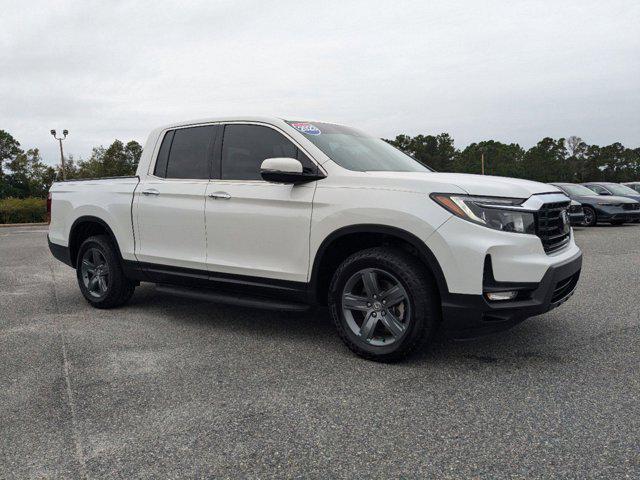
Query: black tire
[
  {"x": 590, "y": 217},
  {"x": 420, "y": 296},
  {"x": 118, "y": 288}
]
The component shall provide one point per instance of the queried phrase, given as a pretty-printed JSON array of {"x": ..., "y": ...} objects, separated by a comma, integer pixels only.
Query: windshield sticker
[{"x": 306, "y": 128}]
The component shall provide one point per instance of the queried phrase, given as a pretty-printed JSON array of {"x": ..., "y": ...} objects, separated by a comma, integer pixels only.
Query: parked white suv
[{"x": 284, "y": 214}]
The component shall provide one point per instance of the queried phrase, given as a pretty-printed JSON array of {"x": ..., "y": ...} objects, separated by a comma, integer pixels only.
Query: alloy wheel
[
  {"x": 95, "y": 272},
  {"x": 588, "y": 216},
  {"x": 376, "y": 307}
]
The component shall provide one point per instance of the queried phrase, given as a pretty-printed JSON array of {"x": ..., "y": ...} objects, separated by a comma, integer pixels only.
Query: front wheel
[
  {"x": 100, "y": 275},
  {"x": 590, "y": 218},
  {"x": 383, "y": 303}
]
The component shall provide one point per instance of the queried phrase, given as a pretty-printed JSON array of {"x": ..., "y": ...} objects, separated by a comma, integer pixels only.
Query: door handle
[
  {"x": 150, "y": 191},
  {"x": 219, "y": 195}
]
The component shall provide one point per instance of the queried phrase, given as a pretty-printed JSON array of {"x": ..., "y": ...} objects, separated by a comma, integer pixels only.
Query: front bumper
[
  {"x": 467, "y": 316},
  {"x": 576, "y": 218},
  {"x": 608, "y": 214}
]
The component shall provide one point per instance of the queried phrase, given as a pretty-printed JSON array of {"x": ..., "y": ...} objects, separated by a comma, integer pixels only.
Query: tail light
[{"x": 49, "y": 207}]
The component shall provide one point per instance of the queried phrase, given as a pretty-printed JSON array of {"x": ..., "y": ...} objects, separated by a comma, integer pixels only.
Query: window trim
[
  {"x": 158, "y": 145},
  {"x": 216, "y": 157}
]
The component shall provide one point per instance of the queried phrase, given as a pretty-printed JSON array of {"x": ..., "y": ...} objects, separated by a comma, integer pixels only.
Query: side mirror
[
  {"x": 604, "y": 192},
  {"x": 286, "y": 170}
]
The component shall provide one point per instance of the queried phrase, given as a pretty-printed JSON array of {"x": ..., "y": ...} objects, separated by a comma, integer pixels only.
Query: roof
[
  {"x": 243, "y": 118},
  {"x": 235, "y": 118}
]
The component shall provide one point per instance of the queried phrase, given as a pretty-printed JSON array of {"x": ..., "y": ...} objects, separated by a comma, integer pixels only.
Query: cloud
[{"x": 511, "y": 71}]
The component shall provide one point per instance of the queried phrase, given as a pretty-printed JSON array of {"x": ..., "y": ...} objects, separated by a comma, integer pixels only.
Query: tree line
[
  {"x": 550, "y": 160},
  {"x": 23, "y": 174}
]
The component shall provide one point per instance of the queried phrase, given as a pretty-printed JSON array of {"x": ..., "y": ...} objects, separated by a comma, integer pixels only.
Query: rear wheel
[
  {"x": 100, "y": 275},
  {"x": 383, "y": 303},
  {"x": 590, "y": 218}
]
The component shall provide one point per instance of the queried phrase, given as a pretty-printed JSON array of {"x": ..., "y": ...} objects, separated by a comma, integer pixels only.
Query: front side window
[
  {"x": 245, "y": 147},
  {"x": 355, "y": 150},
  {"x": 597, "y": 188},
  {"x": 188, "y": 153}
]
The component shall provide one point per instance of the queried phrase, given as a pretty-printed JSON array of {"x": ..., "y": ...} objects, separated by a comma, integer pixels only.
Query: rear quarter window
[{"x": 160, "y": 169}]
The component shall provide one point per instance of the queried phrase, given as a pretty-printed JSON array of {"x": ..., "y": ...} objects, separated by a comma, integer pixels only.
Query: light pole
[
  {"x": 482, "y": 150},
  {"x": 64, "y": 135}
]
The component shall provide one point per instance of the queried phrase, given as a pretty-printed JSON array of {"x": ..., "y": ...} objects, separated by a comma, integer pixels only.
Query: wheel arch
[
  {"x": 587, "y": 206},
  {"x": 347, "y": 240},
  {"x": 84, "y": 227}
]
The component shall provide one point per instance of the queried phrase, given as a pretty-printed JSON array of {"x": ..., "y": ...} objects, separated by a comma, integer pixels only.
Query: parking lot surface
[{"x": 168, "y": 387}]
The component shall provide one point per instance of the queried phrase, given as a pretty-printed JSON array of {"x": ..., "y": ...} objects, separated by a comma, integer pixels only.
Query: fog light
[{"x": 501, "y": 296}]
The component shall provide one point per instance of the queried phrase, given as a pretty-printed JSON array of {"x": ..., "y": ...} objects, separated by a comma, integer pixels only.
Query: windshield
[
  {"x": 355, "y": 150},
  {"x": 576, "y": 190},
  {"x": 620, "y": 189}
]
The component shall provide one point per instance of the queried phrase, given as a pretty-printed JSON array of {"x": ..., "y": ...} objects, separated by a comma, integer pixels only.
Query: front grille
[
  {"x": 631, "y": 206},
  {"x": 564, "y": 288},
  {"x": 551, "y": 227}
]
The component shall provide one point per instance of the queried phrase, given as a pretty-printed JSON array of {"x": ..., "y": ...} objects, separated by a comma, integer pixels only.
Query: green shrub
[{"x": 23, "y": 210}]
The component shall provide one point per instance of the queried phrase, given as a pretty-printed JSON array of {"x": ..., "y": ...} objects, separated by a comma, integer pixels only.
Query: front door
[{"x": 257, "y": 228}]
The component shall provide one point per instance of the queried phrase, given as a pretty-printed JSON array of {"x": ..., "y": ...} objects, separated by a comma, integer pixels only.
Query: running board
[{"x": 232, "y": 298}]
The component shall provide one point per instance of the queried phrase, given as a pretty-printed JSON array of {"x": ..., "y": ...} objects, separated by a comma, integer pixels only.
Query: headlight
[{"x": 498, "y": 213}]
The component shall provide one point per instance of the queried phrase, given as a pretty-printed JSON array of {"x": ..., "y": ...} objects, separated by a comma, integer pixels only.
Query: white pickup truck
[{"x": 265, "y": 212}]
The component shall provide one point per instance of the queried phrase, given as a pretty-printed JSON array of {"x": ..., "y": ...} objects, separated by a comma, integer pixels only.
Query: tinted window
[
  {"x": 245, "y": 147},
  {"x": 307, "y": 165},
  {"x": 163, "y": 155},
  {"x": 189, "y": 154}
]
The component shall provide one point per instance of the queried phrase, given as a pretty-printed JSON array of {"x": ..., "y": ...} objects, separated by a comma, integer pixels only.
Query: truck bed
[{"x": 108, "y": 199}]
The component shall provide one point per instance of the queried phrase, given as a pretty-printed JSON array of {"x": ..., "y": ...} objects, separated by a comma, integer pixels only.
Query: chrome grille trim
[{"x": 550, "y": 228}]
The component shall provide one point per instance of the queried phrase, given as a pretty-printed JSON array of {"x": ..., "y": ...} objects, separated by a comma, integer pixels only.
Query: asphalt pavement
[{"x": 173, "y": 388}]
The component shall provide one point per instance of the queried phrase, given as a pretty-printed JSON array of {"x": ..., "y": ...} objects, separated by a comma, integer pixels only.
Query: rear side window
[
  {"x": 245, "y": 147},
  {"x": 163, "y": 155},
  {"x": 188, "y": 153}
]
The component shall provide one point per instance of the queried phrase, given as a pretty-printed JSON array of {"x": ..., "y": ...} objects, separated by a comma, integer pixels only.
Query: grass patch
[{"x": 23, "y": 210}]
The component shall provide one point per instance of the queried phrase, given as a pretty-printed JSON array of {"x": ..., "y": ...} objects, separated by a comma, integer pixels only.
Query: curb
[{"x": 22, "y": 224}]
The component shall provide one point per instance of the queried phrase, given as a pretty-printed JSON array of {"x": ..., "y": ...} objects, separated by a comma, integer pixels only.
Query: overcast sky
[{"x": 514, "y": 71}]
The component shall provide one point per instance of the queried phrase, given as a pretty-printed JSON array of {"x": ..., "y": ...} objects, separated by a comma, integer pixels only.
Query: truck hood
[{"x": 472, "y": 184}]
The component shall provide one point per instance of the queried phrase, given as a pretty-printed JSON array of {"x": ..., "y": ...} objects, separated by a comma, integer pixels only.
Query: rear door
[
  {"x": 254, "y": 227},
  {"x": 170, "y": 202}
]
